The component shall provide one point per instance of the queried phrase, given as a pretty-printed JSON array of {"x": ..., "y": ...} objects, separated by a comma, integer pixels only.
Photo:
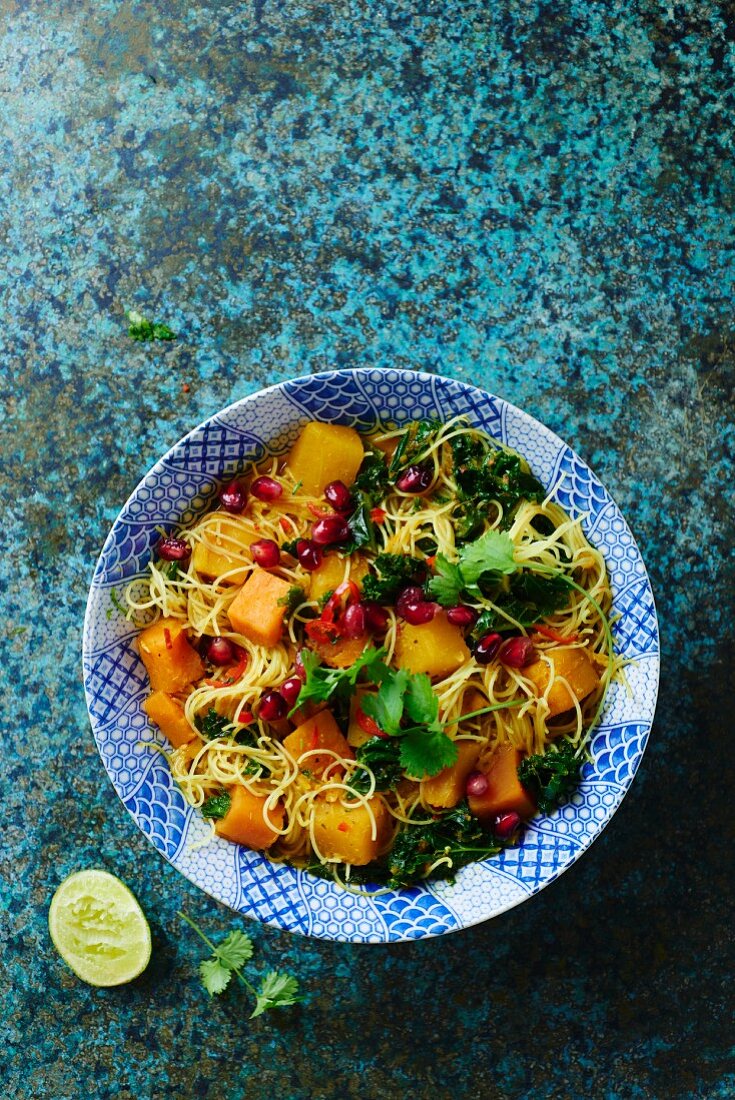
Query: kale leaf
[
  {"x": 456, "y": 835},
  {"x": 395, "y": 571},
  {"x": 212, "y": 725},
  {"x": 217, "y": 805},
  {"x": 292, "y": 599},
  {"x": 372, "y": 481},
  {"x": 551, "y": 776},
  {"x": 529, "y": 598},
  {"x": 414, "y": 440},
  {"x": 381, "y": 755}
]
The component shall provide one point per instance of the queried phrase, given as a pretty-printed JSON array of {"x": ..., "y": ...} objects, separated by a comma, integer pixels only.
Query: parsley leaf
[
  {"x": 395, "y": 571},
  {"x": 551, "y": 776},
  {"x": 217, "y": 805},
  {"x": 142, "y": 329},
  {"x": 276, "y": 989},
  {"x": 426, "y": 751},
  {"x": 381, "y": 755}
]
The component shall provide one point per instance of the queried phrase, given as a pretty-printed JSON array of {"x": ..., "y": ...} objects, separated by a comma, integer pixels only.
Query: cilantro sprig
[
  {"x": 277, "y": 989},
  {"x": 322, "y": 682},
  {"x": 140, "y": 328}
]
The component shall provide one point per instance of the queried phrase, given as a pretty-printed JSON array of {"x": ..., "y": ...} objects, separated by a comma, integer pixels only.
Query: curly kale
[
  {"x": 382, "y": 756},
  {"x": 551, "y": 776},
  {"x": 395, "y": 571}
]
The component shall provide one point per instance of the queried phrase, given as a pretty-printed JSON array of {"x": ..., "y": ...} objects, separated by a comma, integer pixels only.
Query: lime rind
[{"x": 99, "y": 929}]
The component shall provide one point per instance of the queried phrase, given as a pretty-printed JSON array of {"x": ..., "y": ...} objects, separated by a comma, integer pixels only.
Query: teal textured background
[{"x": 534, "y": 197}]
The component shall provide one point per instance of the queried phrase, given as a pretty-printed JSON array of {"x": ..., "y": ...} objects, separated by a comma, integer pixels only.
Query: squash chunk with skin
[
  {"x": 257, "y": 610},
  {"x": 437, "y": 648},
  {"x": 324, "y": 453},
  {"x": 168, "y": 715},
  {"x": 346, "y": 834},
  {"x": 245, "y": 822},
  {"x": 172, "y": 663},
  {"x": 224, "y": 548},
  {"x": 504, "y": 791},
  {"x": 319, "y": 732},
  {"x": 575, "y": 667},
  {"x": 447, "y": 788},
  {"x": 331, "y": 573}
]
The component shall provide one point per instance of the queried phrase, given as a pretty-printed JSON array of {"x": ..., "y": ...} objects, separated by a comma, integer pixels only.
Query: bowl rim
[{"x": 427, "y": 379}]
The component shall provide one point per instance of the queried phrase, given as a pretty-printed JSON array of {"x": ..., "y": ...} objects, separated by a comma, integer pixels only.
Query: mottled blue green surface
[{"x": 536, "y": 197}]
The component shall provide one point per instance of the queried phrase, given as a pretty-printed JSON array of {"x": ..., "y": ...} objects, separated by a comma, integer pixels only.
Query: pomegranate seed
[
  {"x": 232, "y": 497},
  {"x": 506, "y": 824},
  {"x": 173, "y": 549},
  {"x": 272, "y": 706},
  {"x": 419, "y": 613},
  {"x": 411, "y": 595},
  {"x": 462, "y": 616},
  {"x": 309, "y": 554},
  {"x": 477, "y": 784},
  {"x": 220, "y": 651},
  {"x": 266, "y": 553},
  {"x": 415, "y": 479},
  {"x": 487, "y": 648},
  {"x": 330, "y": 530},
  {"x": 353, "y": 621},
  {"x": 290, "y": 689},
  {"x": 338, "y": 495},
  {"x": 376, "y": 617},
  {"x": 266, "y": 488},
  {"x": 518, "y": 652}
]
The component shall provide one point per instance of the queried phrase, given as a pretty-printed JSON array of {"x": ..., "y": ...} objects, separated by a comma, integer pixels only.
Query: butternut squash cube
[
  {"x": 172, "y": 663},
  {"x": 437, "y": 648},
  {"x": 447, "y": 788},
  {"x": 504, "y": 790},
  {"x": 324, "y": 453},
  {"x": 224, "y": 547},
  {"x": 319, "y": 732},
  {"x": 341, "y": 653},
  {"x": 331, "y": 573},
  {"x": 345, "y": 834},
  {"x": 575, "y": 667},
  {"x": 168, "y": 715},
  {"x": 257, "y": 610},
  {"x": 245, "y": 821}
]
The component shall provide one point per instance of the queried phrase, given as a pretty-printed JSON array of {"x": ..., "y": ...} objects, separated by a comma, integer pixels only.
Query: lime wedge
[{"x": 99, "y": 929}]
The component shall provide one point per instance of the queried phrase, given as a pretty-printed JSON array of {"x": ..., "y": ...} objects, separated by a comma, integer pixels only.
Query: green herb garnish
[{"x": 228, "y": 957}]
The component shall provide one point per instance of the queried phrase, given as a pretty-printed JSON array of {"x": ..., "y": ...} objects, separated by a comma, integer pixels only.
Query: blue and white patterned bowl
[{"x": 181, "y": 486}]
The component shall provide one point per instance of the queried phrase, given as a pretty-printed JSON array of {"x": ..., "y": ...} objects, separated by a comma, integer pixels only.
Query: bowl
[{"x": 181, "y": 486}]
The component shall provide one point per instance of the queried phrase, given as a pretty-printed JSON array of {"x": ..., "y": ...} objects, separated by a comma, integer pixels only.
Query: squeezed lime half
[{"x": 99, "y": 929}]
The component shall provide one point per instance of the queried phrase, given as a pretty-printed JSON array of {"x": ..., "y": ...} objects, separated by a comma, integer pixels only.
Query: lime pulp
[{"x": 99, "y": 929}]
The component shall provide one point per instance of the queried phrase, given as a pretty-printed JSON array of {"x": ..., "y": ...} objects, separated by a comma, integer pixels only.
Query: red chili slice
[
  {"x": 377, "y": 515},
  {"x": 547, "y": 632},
  {"x": 367, "y": 724},
  {"x": 167, "y": 638}
]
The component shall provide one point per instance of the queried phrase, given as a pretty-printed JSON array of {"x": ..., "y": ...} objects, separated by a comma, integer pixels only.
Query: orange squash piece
[
  {"x": 324, "y": 453},
  {"x": 356, "y": 735},
  {"x": 575, "y": 667},
  {"x": 224, "y": 548},
  {"x": 257, "y": 611},
  {"x": 345, "y": 834},
  {"x": 245, "y": 823},
  {"x": 447, "y": 788},
  {"x": 504, "y": 790},
  {"x": 331, "y": 573},
  {"x": 319, "y": 732},
  {"x": 172, "y": 663},
  {"x": 168, "y": 715},
  {"x": 437, "y": 648},
  {"x": 342, "y": 653}
]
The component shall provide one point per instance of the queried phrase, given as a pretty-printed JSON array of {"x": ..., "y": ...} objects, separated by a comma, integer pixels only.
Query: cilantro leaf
[
  {"x": 142, "y": 329},
  {"x": 276, "y": 990},
  {"x": 551, "y": 776},
  {"x": 425, "y": 751},
  {"x": 491, "y": 553},
  {"x": 447, "y": 583},
  {"x": 386, "y": 707},
  {"x": 215, "y": 977},
  {"x": 217, "y": 806},
  {"x": 235, "y": 949},
  {"x": 322, "y": 682},
  {"x": 422, "y": 704}
]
